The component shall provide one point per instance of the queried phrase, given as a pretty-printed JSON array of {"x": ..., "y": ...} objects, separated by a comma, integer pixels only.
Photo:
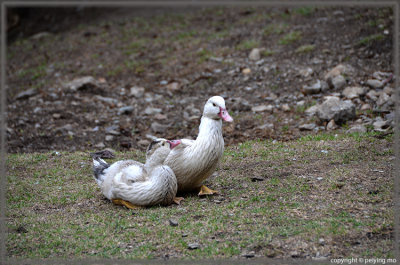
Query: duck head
[
  {"x": 215, "y": 109},
  {"x": 158, "y": 149}
]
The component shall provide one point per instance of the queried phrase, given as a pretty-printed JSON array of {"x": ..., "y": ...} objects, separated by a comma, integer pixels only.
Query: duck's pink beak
[
  {"x": 173, "y": 143},
  {"x": 223, "y": 113}
]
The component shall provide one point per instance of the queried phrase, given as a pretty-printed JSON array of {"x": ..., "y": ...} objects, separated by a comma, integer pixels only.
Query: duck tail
[{"x": 99, "y": 165}]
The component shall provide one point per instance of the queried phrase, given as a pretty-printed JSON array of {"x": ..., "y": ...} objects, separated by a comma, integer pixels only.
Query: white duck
[
  {"x": 195, "y": 160},
  {"x": 133, "y": 184}
]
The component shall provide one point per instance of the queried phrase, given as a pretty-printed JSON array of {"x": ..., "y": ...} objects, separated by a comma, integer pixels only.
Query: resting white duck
[
  {"x": 195, "y": 160},
  {"x": 133, "y": 184}
]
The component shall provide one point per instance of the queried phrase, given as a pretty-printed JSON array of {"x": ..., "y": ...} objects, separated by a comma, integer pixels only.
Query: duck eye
[{"x": 214, "y": 105}]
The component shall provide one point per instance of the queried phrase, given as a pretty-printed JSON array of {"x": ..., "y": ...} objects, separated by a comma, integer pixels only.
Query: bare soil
[{"x": 203, "y": 50}]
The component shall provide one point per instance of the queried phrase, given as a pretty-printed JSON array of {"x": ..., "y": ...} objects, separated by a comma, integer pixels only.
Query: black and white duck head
[{"x": 158, "y": 150}]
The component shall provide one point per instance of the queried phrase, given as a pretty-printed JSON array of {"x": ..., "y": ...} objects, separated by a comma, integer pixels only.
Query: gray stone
[
  {"x": 358, "y": 128},
  {"x": 307, "y": 127},
  {"x": 143, "y": 142},
  {"x": 109, "y": 138},
  {"x": 110, "y": 101},
  {"x": 381, "y": 75},
  {"x": 262, "y": 108},
  {"x": 81, "y": 83},
  {"x": 336, "y": 109},
  {"x": 373, "y": 95},
  {"x": 285, "y": 107},
  {"x": 126, "y": 110},
  {"x": 383, "y": 99},
  {"x": 338, "y": 82},
  {"x": 137, "y": 91},
  {"x": 193, "y": 246},
  {"x": 313, "y": 89},
  {"x": 311, "y": 111},
  {"x": 173, "y": 222},
  {"x": 158, "y": 128},
  {"x": 331, "y": 125},
  {"x": 381, "y": 125},
  {"x": 366, "y": 107},
  {"x": 337, "y": 70},
  {"x": 374, "y": 83},
  {"x": 255, "y": 54},
  {"x": 152, "y": 111},
  {"x": 100, "y": 145},
  {"x": 266, "y": 126},
  {"x": 27, "y": 93},
  {"x": 388, "y": 90},
  {"x": 353, "y": 92}
]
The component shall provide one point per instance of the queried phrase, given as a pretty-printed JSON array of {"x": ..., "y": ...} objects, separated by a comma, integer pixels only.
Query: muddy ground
[{"x": 181, "y": 57}]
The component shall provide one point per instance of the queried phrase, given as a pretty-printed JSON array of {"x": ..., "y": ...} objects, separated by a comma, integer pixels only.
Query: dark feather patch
[{"x": 151, "y": 145}]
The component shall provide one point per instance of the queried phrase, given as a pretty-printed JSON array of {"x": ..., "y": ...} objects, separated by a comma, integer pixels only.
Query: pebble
[
  {"x": 311, "y": 111},
  {"x": 262, "y": 108},
  {"x": 109, "y": 138},
  {"x": 152, "y": 111},
  {"x": 307, "y": 127},
  {"x": 255, "y": 54},
  {"x": 158, "y": 128},
  {"x": 81, "y": 83},
  {"x": 337, "y": 70},
  {"x": 338, "y": 82},
  {"x": 110, "y": 101},
  {"x": 366, "y": 106},
  {"x": 353, "y": 92},
  {"x": 174, "y": 86},
  {"x": 27, "y": 94},
  {"x": 359, "y": 128},
  {"x": 336, "y": 109},
  {"x": 126, "y": 110},
  {"x": 381, "y": 125},
  {"x": 313, "y": 89},
  {"x": 266, "y": 126},
  {"x": 100, "y": 145},
  {"x": 137, "y": 91},
  {"x": 143, "y": 142},
  {"x": 383, "y": 98},
  {"x": 192, "y": 246},
  {"x": 173, "y": 222},
  {"x": 285, "y": 107},
  {"x": 246, "y": 71},
  {"x": 249, "y": 255},
  {"x": 373, "y": 95},
  {"x": 374, "y": 83}
]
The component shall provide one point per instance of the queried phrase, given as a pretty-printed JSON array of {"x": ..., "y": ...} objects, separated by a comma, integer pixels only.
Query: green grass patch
[
  {"x": 290, "y": 38},
  {"x": 370, "y": 39},
  {"x": 305, "y": 48}
]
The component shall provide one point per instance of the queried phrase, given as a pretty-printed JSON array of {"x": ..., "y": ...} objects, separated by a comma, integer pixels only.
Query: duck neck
[
  {"x": 152, "y": 162},
  {"x": 209, "y": 127}
]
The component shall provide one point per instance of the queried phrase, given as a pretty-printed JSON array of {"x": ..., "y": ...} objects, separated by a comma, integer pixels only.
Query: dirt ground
[{"x": 181, "y": 57}]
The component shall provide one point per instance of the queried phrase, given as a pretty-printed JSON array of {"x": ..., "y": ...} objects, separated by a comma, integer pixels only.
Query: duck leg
[
  {"x": 206, "y": 191},
  {"x": 125, "y": 203},
  {"x": 177, "y": 200}
]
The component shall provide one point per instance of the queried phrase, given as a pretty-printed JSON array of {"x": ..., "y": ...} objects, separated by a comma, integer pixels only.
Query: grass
[
  {"x": 290, "y": 37},
  {"x": 305, "y": 48},
  {"x": 55, "y": 209},
  {"x": 371, "y": 38},
  {"x": 248, "y": 44}
]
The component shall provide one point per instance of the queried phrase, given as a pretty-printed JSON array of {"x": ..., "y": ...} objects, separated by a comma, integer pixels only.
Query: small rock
[
  {"x": 143, "y": 143},
  {"x": 100, "y": 145},
  {"x": 249, "y": 255},
  {"x": 109, "y": 138},
  {"x": 311, "y": 111},
  {"x": 366, "y": 106},
  {"x": 41, "y": 35},
  {"x": 159, "y": 116},
  {"x": 359, "y": 128},
  {"x": 110, "y": 101},
  {"x": 285, "y": 107},
  {"x": 262, "y": 108},
  {"x": 137, "y": 91},
  {"x": 173, "y": 222},
  {"x": 373, "y": 95},
  {"x": 381, "y": 125},
  {"x": 337, "y": 70},
  {"x": 306, "y": 72},
  {"x": 56, "y": 115},
  {"x": 266, "y": 126},
  {"x": 314, "y": 89},
  {"x": 113, "y": 130},
  {"x": 81, "y": 83},
  {"x": 353, "y": 92},
  {"x": 246, "y": 71},
  {"x": 338, "y": 82},
  {"x": 300, "y": 103},
  {"x": 388, "y": 90},
  {"x": 307, "y": 127},
  {"x": 336, "y": 109},
  {"x": 255, "y": 54},
  {"x": 381, "y": 75},
  {"x": 192, "y": 246},
  {"x": 321, "y": 241},
  {"x": 126, "y": 110},
  {"x": 257, "y": 179},
  {"x": 374, "y": 83},
  {"x": 174, "y": 86},
  {"x": 158, "y": 128},
  {"x": 383, "y": 98},
  {"x": 27, "y": 94},
  {"x": 152, "y": 111}
]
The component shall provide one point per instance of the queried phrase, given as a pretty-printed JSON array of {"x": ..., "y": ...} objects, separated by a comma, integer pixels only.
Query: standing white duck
[
  {"x": 195, "y": 160},
  {"x": 133, "y": 184}
]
